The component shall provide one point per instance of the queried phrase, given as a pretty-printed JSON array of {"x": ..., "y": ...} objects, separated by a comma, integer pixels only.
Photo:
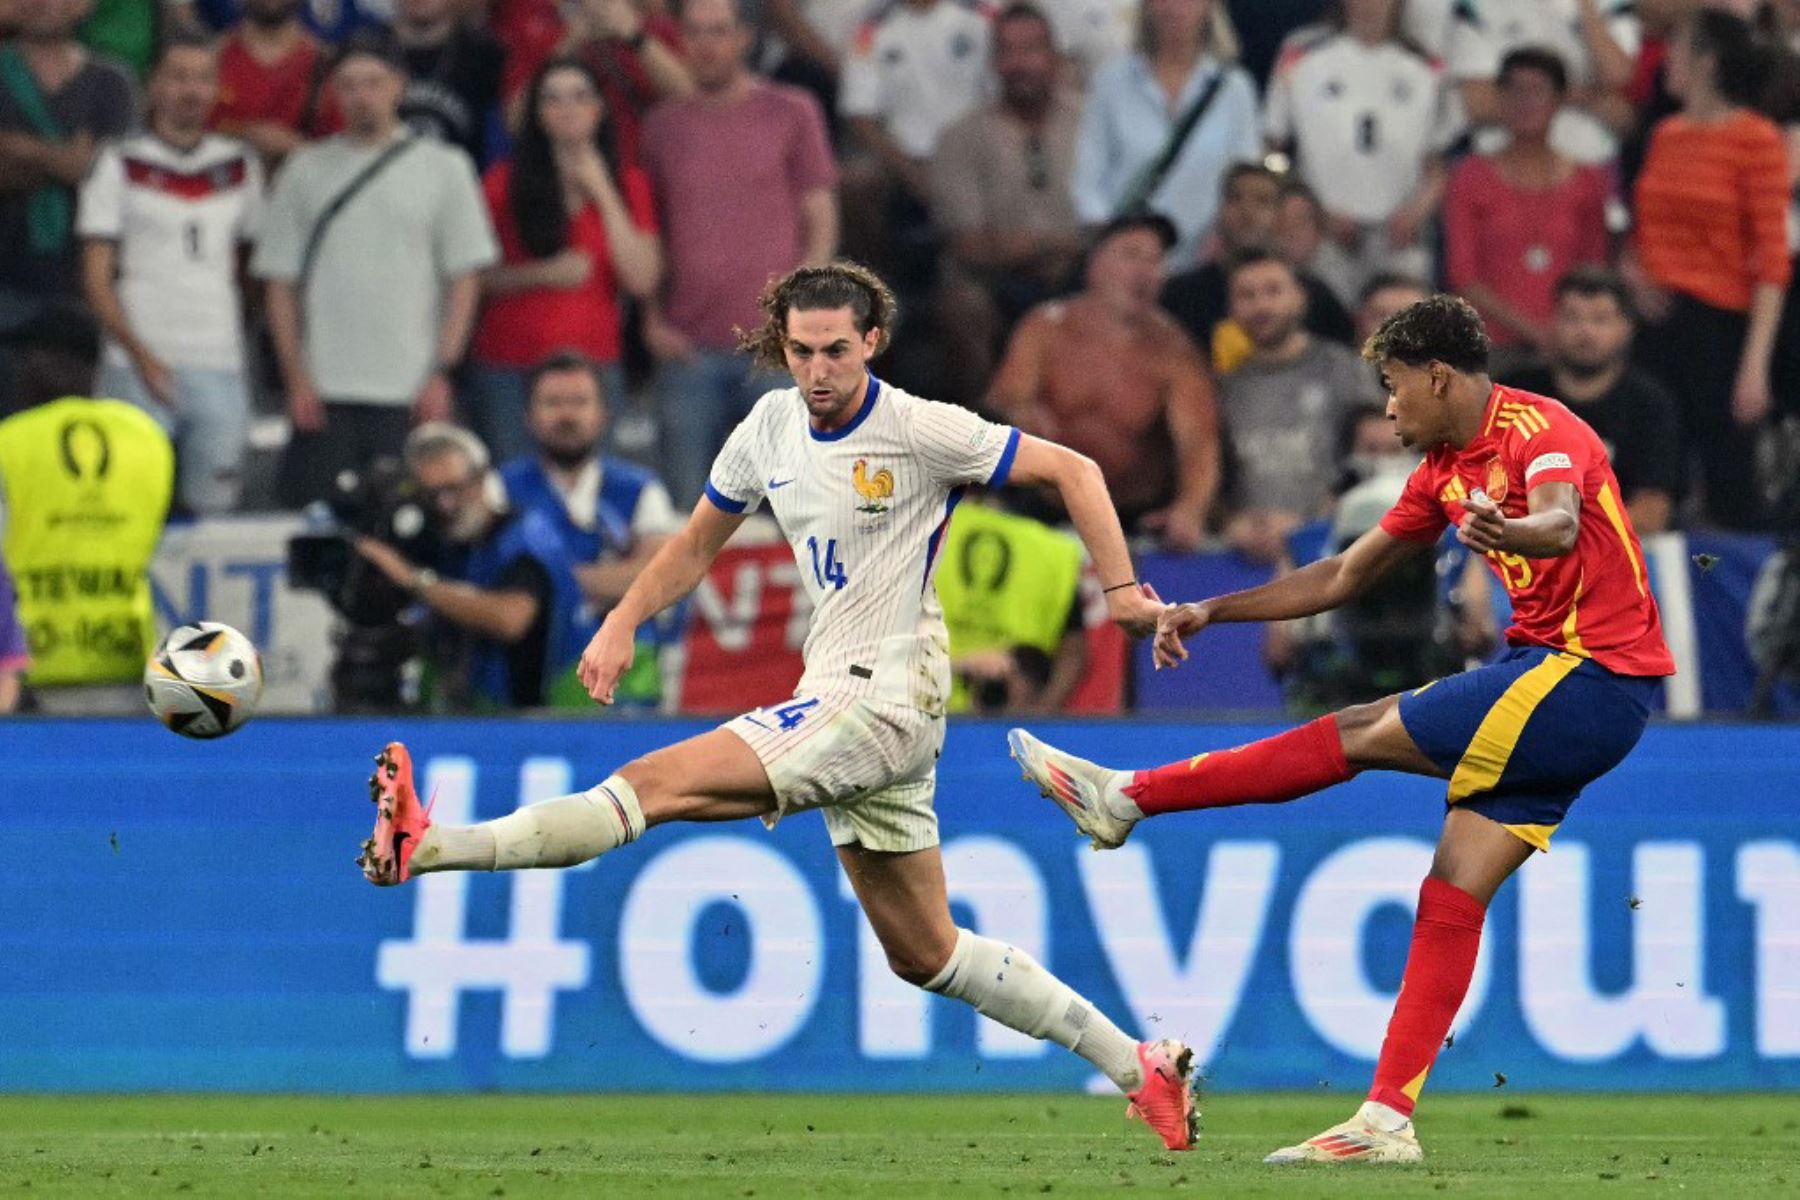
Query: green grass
[{"x": 1547, "y": 1147}]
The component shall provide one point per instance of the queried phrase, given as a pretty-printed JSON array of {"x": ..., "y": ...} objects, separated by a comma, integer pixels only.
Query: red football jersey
[{"x": 1594, "y": 601}]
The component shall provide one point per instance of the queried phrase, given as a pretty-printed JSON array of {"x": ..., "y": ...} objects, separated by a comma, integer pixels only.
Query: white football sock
[
  {"x": 552, "y": 833},
  {"x": 1010, "y": 986},
  {"x": 1113, "y": 796}
]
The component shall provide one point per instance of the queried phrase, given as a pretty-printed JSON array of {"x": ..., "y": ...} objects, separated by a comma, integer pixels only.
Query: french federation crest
[{"x": 874, "y": 489}]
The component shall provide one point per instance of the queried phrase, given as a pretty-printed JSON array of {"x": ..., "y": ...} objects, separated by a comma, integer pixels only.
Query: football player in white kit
[{"x": 862, "y": 479}]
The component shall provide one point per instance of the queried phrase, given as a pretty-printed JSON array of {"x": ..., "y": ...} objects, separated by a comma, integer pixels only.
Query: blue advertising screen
[{"x": 187, "y": 915}]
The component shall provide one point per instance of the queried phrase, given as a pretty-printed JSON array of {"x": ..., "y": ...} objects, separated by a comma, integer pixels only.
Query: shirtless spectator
[
  {"x": 272, "y": 90},
  {"x": 1111, "y": 375},
  {"x": 1248, "y": 212},
  {"x": 1285, "y": 411}
]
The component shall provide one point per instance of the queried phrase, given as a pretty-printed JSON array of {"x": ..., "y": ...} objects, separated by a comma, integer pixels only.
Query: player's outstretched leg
[
  {"x": 903, "y": 895},
  {"x": 710, "y": 777},
  {"x": 1474, "y": 857},
  {"x": 1106, "y": 803}
]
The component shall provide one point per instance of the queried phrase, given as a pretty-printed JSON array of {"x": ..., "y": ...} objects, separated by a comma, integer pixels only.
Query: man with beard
[
  {"x": 612, "y": 515},
  {"x": 272, "y": 89},
  {"x": 505, "y": 608},
  {"x": 1590, "y": 369},
  {"x": 1285, "y": 411}
]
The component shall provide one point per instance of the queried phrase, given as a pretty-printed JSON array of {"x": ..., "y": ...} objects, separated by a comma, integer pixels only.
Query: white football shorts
[{"x": 869, "y": 765}]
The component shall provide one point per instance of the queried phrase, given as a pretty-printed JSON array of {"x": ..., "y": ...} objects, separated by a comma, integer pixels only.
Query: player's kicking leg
[
  {"x": 712, "y": 777},
  {"x": 905, "y": 900},
  {"x": 1105, "y": 803}
]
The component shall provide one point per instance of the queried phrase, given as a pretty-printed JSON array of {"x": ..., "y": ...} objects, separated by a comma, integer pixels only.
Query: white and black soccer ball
[{"x": 204, "y": 680}]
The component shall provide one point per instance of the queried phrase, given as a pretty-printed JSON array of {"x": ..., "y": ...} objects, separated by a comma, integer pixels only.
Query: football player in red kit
[{"x": 1527, "y": 484}]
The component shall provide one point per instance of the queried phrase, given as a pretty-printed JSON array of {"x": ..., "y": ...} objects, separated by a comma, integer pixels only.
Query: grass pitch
[{"x": 952, "y": 1146}]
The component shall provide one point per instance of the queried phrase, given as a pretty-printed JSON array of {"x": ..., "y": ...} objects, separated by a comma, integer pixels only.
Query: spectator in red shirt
[
  {"x": 272, "y": 90},
  {"x": 577, "y": 233},
  {"x": 1515, "y": 222},
  {"x": 746, "y": 189}
]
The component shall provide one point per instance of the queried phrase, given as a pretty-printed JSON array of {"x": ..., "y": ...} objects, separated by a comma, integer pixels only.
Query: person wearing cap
[
  {"x": 84, "y": 490},
  {"x": 1108, "y": 373},
  {"x": 371, "y": 247}
]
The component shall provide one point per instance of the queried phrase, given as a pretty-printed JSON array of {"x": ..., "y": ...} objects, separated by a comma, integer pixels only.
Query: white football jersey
[
  {"x": 179, "y": 218},
  {"x": 1363, "y": 119},
  {"x": 865, "y": 508}
]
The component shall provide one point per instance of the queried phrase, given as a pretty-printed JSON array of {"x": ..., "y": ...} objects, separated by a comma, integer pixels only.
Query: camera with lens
[{"x": 381, "y": 502}]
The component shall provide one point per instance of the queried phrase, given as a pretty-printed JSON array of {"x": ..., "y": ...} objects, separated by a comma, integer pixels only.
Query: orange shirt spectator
[{"x": 1712, "y": 208}]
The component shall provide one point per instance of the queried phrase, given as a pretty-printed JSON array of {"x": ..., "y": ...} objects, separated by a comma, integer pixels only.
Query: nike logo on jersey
[{"x": 778, "y": 483}]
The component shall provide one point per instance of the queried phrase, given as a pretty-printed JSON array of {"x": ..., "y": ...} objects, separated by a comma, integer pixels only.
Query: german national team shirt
[
  {"x": 179, "y": 218},
  {"x": 865, "y": 508},
  {"x": 1595, "y": 601}
]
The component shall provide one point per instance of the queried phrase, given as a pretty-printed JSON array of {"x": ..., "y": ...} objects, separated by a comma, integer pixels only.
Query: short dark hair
[
  {"x": 180, "y": 39},
  {"x": 560, "y": 361},
  {"x": 1596, "y": 281},
  {"x": 374, "y": 43},
  {"x": 1440, "y": 328},
  {"x": 1024, "y": 10},
  {"x": 1383, "y": 280},
  {"x": 1541, "y": 59},
  {"x": 1246, "y": 170},
  {"x": 841, "y": 284},
  {"x": 1256, "y": 256},
  {"x": 1138, "y": 219}
]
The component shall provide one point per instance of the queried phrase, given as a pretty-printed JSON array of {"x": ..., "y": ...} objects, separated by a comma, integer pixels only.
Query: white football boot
[
  {"x": 1080, "y": 788},
  {"x": 1372, "y": 1135}
]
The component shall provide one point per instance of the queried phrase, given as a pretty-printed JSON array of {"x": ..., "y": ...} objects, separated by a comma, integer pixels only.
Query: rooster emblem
[{"x": 872, "y": 488}]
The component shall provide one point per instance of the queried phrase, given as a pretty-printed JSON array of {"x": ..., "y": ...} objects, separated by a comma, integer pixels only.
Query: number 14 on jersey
[{"x": 829, "y": 571}]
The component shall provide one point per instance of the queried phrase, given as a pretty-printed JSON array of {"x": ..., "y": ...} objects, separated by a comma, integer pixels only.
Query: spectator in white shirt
[
  {"x": 1366, "y": 116},
  {"x": 163, "y": 216}
]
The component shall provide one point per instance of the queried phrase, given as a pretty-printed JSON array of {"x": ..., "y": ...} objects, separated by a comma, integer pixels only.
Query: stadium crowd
[{"x": 523, "y": 234}]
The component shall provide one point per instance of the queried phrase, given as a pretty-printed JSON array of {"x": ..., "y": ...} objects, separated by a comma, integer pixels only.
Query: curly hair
[
  {"x": 1439, "y": 328},
  {"x": 841, "y": 284}
]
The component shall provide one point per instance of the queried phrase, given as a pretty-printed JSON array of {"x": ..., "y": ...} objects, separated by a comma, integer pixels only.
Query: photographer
[{"x": 505, "y": 606}]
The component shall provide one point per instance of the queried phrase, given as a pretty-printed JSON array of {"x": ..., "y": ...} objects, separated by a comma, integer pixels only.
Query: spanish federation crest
[{"x": 1496, "y": 480}]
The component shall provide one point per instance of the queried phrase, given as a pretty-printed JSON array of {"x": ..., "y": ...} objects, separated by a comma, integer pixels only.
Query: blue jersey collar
[{"x": 862, "y": 414}]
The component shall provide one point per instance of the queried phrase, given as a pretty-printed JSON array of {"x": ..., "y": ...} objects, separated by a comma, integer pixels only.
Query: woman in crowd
[
  {"x": 1515, "y": 222},
  {"x": 1367, "y": 117},
  {"x": 577, "y": 235},
  {"x": 1709, "y": 263},
  {"x": 1162, "y": 125}
]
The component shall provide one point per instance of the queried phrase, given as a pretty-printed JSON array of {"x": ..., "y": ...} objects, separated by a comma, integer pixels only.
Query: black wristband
[{"x": 1115, "y": 587}]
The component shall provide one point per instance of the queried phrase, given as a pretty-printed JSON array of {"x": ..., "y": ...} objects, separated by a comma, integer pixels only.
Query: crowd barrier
[{"x": 186, "y": 915}]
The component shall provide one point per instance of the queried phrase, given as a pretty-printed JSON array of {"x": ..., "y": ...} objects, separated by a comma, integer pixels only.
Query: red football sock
[
  {"x": 1283, "y": 767},
  {"x": 1446, "y": 935}
]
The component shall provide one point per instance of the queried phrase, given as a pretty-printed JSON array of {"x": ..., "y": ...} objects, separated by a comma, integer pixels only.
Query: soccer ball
[{"x": 204, "y": 680}]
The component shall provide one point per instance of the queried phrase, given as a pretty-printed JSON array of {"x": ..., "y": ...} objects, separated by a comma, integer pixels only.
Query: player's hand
[
  {"x": 1483, "y": 527},
  {"x": 389, "y": 561},
  {"x": 1135, "y": 610},
  {"x": 607, "y": 657},
  {"x": 305, "y": 409},
  {"x": 1178, "y": 621}
]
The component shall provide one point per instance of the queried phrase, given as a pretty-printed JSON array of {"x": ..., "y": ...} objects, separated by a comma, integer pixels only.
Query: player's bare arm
[
  {"x": 676, "y": 570},
  {"x": 1078, "y": 481},
  {"x": 1315, "y": 588},
  {"x": 1548, "y": 529}
]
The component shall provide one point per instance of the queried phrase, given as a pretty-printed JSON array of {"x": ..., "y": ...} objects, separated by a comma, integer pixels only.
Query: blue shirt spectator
[{"x": 1132, "y": 117}]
